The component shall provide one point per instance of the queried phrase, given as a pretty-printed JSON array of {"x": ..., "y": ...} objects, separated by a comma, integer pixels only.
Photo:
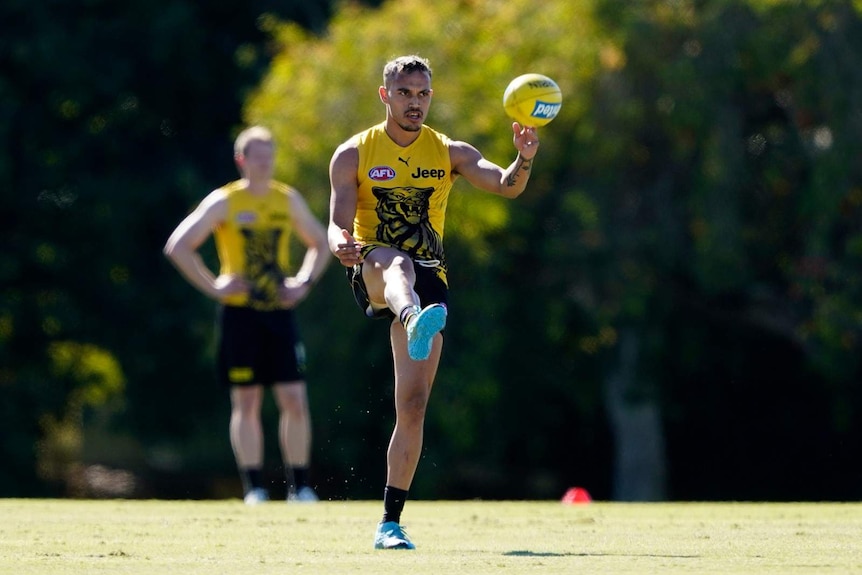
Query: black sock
[
  {"x": 297, "y": 477},
  {"x": 393, "y": 503},
  {"x": 251, "y": 477},
  {"x": 407, "y": 312}
]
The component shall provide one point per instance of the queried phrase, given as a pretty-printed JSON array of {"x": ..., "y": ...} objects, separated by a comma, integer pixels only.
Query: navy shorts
[
  {"x": 258, "y": 347},
  {"x": 429, "y": 287}
]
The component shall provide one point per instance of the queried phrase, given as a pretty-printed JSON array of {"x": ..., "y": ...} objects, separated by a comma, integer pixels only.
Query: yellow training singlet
[
  {"x": 403, "y": 192},
  {"x": 253, "y": 242}
]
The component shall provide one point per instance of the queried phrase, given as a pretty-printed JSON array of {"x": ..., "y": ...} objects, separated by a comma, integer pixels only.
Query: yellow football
[{"x": 532, "y": 100}]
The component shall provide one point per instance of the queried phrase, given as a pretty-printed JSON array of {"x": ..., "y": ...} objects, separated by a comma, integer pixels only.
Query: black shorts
[
  {"x": 258, "y": 347},
  {"x": 429, "y": 287}
]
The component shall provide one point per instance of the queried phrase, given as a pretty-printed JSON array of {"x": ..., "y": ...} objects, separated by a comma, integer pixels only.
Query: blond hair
[{"x": 249, "y": 135}]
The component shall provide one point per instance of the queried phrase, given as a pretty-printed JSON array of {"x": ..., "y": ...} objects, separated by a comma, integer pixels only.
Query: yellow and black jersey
[
  {"x": 403, "y": 193},
  {"x": 253, "y": 241}
]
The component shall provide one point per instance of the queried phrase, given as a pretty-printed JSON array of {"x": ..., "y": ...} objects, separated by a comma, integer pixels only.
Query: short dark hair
[{"x": 405, "y": 65}]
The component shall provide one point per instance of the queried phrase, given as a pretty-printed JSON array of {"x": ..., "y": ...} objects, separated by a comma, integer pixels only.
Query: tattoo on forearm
[{"x": 524, "y": 165}]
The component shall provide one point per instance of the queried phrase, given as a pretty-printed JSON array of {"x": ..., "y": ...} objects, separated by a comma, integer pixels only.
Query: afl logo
[
  {"x": 246, "y": 217},
  {"x": 381, "y": 173}
]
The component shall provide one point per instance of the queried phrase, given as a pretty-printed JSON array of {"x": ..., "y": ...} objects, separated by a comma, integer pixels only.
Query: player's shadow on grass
[{"x": 526, "y": 553}]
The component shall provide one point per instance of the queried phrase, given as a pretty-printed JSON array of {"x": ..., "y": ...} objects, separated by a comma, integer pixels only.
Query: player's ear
[{"x": 384, "y": 94}]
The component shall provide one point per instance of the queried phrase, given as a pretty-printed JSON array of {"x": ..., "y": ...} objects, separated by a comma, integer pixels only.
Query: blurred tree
[
  {"x": 477, "y": 396},
  {"x": 114, "y": 120},
  {"x": 732, "y": 213},
  {"x": 693, "y": 220},
  {"x": 671, "y": 310}
]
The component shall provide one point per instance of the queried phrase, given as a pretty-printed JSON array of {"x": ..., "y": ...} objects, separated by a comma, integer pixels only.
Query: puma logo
[{"x": 406, "y": 162}]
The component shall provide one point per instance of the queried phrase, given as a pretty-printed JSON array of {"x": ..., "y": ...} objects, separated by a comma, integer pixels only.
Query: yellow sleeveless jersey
[
  {"x": 402, "y": 194},
  {"x": 254, "y": 240}
]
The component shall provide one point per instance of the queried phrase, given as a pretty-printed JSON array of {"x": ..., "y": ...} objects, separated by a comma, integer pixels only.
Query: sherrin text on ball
[{"x": 532, "y": 100}]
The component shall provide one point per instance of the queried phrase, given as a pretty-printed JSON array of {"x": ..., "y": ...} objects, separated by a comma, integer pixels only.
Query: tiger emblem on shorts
[
  {"x": 404, "y": 222},
  {"x": 261, "y": 267}
]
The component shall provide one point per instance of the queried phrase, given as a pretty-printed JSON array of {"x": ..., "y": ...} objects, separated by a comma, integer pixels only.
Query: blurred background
[{"x": 670, "y": 312}]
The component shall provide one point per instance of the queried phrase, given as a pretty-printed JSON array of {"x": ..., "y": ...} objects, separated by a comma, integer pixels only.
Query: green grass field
[{"x": 452, "y": 538}]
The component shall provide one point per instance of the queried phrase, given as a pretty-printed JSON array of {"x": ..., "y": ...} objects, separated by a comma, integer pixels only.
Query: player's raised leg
[{"x": 390, "y": 277}]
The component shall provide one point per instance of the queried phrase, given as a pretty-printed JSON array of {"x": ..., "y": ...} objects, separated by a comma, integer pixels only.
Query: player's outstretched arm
[{"x": 486, "y": 175}]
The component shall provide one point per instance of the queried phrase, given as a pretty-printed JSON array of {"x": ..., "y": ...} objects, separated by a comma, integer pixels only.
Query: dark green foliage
[
  {"x": 705, "y": 197},
  {"x": 115, "y": 120}
]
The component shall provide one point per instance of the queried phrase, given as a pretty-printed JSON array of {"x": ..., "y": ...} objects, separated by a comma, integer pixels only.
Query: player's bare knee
[{"x": 413, "y": 406}]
